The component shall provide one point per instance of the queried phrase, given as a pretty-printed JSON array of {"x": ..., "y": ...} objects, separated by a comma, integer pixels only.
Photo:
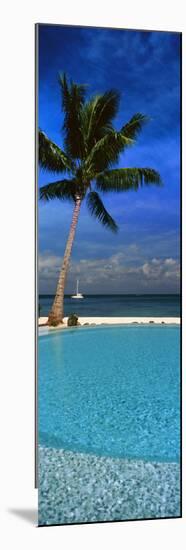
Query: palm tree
[{"x": 91, "y": 150}]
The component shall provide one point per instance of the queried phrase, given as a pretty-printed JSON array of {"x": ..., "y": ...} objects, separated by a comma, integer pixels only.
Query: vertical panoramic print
[{"x": 109, "y": 185}]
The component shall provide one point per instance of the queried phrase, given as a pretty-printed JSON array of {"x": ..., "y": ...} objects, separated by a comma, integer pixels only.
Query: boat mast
[{"x": 77, "y": 286}]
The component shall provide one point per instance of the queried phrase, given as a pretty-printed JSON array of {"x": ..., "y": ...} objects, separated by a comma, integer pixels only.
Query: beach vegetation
[{"x": 72, "y": 320}]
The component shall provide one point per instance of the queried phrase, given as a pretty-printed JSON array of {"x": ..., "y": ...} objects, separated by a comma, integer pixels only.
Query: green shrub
[
  {"x": 72, "y": 320},
  {"x": 55, "y": 323}
]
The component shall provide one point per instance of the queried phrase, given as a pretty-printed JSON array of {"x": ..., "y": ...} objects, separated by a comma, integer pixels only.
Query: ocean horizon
[{"x": 117, "y": 305}]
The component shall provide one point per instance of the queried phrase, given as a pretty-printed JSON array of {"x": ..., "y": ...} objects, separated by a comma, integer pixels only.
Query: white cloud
[
  {"x": 47, "y": 261},
  {"x": 113, "y": 274},
  {"x": 170, "y": 261}
]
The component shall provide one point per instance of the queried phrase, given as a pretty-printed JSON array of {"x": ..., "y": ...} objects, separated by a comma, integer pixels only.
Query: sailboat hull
[{"x": 78, "y": 295}]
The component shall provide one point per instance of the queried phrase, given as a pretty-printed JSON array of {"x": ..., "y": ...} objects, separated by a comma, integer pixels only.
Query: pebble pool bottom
[{"x": 109, "y": 407}]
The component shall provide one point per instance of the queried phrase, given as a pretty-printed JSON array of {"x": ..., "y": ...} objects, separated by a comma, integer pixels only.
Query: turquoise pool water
[{"x": 112, "y": 391}]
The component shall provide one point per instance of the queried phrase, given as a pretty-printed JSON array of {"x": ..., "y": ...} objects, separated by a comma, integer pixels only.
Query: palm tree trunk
[{"x": 57, "y": 312}]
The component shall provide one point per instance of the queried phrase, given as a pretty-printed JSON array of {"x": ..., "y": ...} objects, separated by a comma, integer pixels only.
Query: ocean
[{"x": 117, "y": 305}]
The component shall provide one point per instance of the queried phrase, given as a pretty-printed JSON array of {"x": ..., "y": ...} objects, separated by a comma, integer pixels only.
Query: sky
[{"x": 143, "y": 257}]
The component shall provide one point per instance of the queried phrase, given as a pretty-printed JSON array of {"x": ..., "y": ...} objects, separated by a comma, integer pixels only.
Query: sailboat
[{"x": 78, "y": 294}]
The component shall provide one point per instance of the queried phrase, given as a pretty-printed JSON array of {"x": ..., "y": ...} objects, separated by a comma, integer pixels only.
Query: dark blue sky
[{"x": 145, "y": 68}]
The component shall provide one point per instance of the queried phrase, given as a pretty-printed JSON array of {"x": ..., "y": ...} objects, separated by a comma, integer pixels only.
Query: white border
[{"x": 17, "y": 269}]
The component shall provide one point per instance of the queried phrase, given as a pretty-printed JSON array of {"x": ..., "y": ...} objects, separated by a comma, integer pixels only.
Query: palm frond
[
  {"x": 73, "y": 97},
  {"x": 51, "y": 157},
  {"x": 64, "y": 190},
  {"x": 126, "y": 179},
  {"x": 97, "y": 209},
  {"x": 98, "y": 115},
  {"x": 134, "y": 126},
  {"x": 106, "y": 151}
]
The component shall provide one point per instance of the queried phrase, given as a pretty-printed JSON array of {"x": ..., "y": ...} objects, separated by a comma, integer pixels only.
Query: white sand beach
[{"x": 115, "y": 321}]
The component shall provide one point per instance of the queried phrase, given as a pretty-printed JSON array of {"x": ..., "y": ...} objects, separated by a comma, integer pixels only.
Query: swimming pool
[{"x": 112, "y": 391}]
